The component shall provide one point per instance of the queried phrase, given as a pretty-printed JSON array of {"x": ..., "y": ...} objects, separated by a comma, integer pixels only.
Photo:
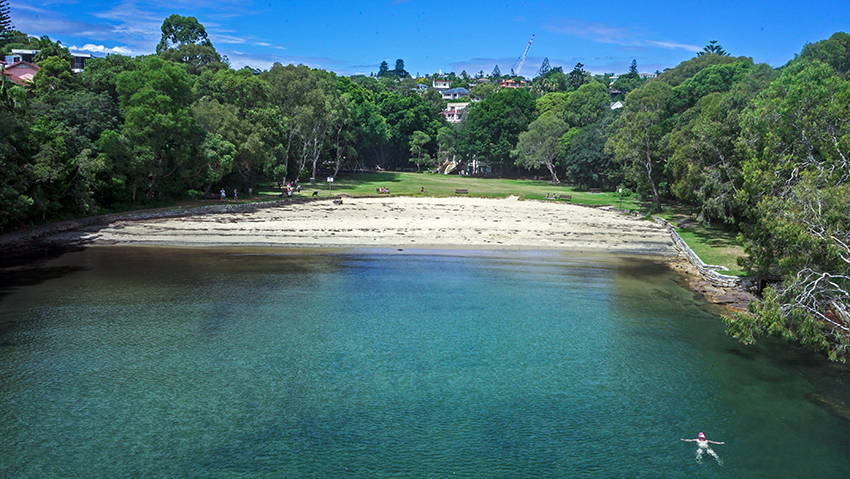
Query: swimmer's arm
[
  {"x": 689, "y": 440},
  {"x": 715, "y": 442}
]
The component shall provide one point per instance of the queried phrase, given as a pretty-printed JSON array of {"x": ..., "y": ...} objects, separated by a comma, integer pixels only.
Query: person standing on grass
[{"x": 223, "y": 194}]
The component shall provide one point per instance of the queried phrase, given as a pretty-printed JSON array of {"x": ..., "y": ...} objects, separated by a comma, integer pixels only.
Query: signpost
[
  {"x": 330, "y": 182},
  {"x": 621, "y": 197}
]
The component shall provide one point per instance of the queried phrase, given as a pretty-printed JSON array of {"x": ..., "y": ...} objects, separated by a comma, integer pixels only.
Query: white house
[
  {"x": 455, "y": 112},
  {"x": 442, "y": 84}
]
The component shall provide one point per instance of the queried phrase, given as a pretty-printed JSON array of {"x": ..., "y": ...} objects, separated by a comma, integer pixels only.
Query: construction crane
[{"x": 522, "y": 58}]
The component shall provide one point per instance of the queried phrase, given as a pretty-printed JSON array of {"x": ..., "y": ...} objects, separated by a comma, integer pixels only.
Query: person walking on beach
[
  {"x": 704, "y": 447},
  {"x": 223, "y": 194}
]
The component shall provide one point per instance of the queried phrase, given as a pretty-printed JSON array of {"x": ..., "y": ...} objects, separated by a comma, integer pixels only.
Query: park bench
[
  {"x": 461, "y": 191},
  {"x": 596, "y": 190}
]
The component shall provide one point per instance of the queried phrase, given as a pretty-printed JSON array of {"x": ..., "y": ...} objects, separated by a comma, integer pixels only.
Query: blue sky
[{"x": 354, "y": 36}]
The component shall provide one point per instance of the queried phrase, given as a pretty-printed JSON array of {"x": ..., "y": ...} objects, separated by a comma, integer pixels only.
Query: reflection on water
[{"x": 215, "y": 363}]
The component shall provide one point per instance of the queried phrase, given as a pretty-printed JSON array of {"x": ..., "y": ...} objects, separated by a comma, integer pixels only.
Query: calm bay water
[{"x": 134, "y": 362}]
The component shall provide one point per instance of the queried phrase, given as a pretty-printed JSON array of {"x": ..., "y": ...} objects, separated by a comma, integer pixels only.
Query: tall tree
[
  {"x": 399, "y": 70},
  {"x": 540, "y": 145},
  {"x": 384, "y": 69},
  {"x": 578, "y": 76},
  {"x": 184, "y": 40},
  {"x": 493, "y": 125},
  {"x": 713, "y": 48},
  {"x": 418, "y": 152},
  {"x": 496, "y": 73},
  {"x": 544, "y": 68},
  {"x": 5, "y": 19},
  {"x": 633, "y": 68},
  {"x": 639, "y": 139},
  {"x": 797, "y": 181},
  {"x": 158, "y": 125}
]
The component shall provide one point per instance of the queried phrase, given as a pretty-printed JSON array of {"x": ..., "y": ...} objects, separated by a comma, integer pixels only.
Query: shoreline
[
  {"x": 389, "y": 222},
  {"x": 399, "y": 223}
]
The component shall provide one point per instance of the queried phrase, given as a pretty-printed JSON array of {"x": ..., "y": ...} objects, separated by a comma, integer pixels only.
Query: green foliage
[
  {"x": 584, "y": 158},
  {"x": 540, "y": 144},
  {"x": 493, "y": 126},
  {"x": 54, "y": 74},
  {"x": 834, "y": 51},
  {"x": 184, "y": 40},
  {"x": 639, "y": 138},
  {"x": 689, "y": 68}
]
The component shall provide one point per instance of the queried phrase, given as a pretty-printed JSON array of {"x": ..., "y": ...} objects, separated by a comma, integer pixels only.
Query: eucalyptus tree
[
  {"x": 493, "y": 125},
  {"x": 418, "y": 152},
  {"x": 705, "y": 167},
  {"x": 184, "y": 40},
  {"x": 796, "y": 179},
  {"x": 158, "y": 123},
  {"x": 540, "y": 144},
  {"x": 639, "y": 140}
]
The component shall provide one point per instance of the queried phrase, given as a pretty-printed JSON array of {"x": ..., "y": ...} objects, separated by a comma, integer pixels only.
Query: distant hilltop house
[
  {"x": 509, "y": 83},
  {"x": 455, "y": 93},
  {"x": 455, "y": 112},
  {"x": 78, "y": 60},
  {"x": 442, "y": 84},
  {"x": 616, "y": 105},
  {"x": 20, "y": 72}
]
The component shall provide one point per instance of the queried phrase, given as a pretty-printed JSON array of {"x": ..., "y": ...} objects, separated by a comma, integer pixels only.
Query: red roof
[{"x": 21, "y": 72}]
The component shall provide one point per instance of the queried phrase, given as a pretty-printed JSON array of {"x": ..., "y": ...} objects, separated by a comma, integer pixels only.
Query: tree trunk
[
  {"x": 551, "y": 168},
  {"x": 655, "y": 197}
]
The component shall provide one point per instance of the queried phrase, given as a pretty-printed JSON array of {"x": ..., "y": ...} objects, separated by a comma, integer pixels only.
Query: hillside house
[
  {"x": 455, "y": 112},
  {"x": 78, "y": 60},
  {"x": 21, "y": 72},
  {"x": 509, "y": 83},
  {"x": 455, "y": 93},
  {"x": 442, "y": 84}
]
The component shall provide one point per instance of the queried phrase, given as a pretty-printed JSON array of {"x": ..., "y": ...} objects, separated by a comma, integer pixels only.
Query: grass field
[
  {"x": 715, "y": 245},
  {"x": 410, "y": 184}
]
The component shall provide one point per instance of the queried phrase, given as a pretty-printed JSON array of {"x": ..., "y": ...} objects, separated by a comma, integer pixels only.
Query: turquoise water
[{"x": 134, "y": 362}]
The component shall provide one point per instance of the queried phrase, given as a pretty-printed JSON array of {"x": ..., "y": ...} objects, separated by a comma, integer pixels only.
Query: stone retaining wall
[{"x": 707, "y": 271}]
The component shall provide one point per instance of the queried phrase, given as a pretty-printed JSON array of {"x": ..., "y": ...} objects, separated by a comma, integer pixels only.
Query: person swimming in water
[{"x": 703, "y": 447}]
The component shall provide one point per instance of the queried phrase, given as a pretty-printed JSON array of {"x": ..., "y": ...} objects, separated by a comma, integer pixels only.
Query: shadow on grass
[{"x": 714, "y": 236}]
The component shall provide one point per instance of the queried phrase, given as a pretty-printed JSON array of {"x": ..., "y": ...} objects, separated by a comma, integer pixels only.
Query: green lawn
[
  {"x": 410, "y": 184},
  {"x": 713, "y": 244}
]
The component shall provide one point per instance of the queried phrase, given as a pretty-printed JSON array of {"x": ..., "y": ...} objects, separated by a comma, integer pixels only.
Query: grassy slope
[{"x": 409, "y": 184}]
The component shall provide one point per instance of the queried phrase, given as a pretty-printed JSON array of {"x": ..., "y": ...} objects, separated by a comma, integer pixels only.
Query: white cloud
[
  {"x": 598, "y": 32},
  {"x": 602, "y": 33},
  {"x": 88, "y": 47},
  {"x": 676, "y": 46}
]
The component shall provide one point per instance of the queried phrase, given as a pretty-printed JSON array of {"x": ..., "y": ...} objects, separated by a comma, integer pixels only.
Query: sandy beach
[{"x": 399, "y": 222}]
